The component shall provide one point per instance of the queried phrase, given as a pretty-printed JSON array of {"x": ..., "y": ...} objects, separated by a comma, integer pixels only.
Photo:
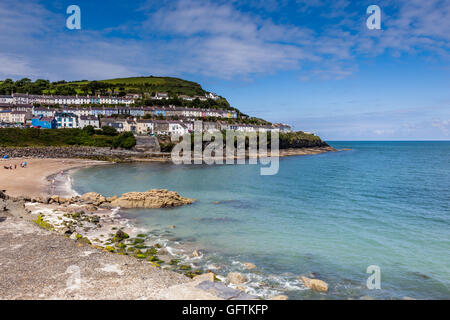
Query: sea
[{"x": 371, "y": 220}]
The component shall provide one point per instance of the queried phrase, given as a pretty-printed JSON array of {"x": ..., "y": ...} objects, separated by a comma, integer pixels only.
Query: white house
[
  {"x": 66, "y": 120},
  {"x": 5, "y": 116},
  {"x": 177, "y": 128},
  {"x": 18, "y": 116},
  {"x": 161, "y": 96},
  {"x": 89, "y": 121},
  {"x": 144, "y": 126},
  {"x": 211, "y": 95},
  {"x": 6, "y": 99}
]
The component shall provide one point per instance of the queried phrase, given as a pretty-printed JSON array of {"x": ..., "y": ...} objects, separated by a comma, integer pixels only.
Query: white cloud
[{"x": 216, "y": 39}]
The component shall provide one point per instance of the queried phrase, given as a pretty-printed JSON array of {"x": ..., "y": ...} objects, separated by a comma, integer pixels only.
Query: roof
[
  {"x": 64, "y": 114},
  {"x": 88, "y": 118}
]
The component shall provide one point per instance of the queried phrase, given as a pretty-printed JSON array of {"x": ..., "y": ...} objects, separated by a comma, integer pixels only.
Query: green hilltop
[
  {"x": 151, "y": 84},
  {"x": 121, "y": 86}
]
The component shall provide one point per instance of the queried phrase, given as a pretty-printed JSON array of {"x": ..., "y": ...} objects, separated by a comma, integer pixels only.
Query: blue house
[{"x": 44, "y": 123}]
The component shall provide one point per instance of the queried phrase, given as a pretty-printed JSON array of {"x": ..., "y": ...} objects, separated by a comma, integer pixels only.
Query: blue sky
[{"x": 312, "y": 64}]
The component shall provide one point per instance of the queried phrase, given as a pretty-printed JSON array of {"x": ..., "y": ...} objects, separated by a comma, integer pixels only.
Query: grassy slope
[{"x": 148, "y": 84}]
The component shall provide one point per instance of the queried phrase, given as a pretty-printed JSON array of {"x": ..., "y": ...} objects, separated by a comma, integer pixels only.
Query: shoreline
[{"x": 44, "y": 180}]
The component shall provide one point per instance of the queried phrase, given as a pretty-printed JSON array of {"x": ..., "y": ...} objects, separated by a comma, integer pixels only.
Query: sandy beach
[
  {"x": 38, "y": 263},
  {"x": 32, "y": 180}
]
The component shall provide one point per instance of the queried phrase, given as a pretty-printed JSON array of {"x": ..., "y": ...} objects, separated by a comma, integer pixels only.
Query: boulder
[
  {"x": 249, "y": 266},
  {"x": 196, "y": 253},
  {"x": 205, "y": 277},
  {"x": 3, "y": 195},
  {"x": 236, "y": 278},
  {"x": 151, "y": 199},
  {"x": 315, "y": 284},
  {"x": 93, "y": 197},
  {"x": 111, "y": 199}
]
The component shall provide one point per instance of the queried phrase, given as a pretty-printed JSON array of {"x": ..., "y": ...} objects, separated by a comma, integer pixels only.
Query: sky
[{"x": 313, "y": 64}]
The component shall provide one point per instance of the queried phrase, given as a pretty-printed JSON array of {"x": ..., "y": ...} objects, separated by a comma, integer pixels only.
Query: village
[{"x": 57, "y": 112}]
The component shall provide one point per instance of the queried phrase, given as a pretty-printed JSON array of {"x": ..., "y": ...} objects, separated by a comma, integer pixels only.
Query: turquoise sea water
[{"x": 334, "y": 214}]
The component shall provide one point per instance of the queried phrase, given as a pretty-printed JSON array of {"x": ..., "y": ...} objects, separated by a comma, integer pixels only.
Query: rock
[
  {"x": 119, "y": 236},
  {"x": 236, "y": 278},
  {"x": 163, "y": 252},
  {"x": 196, "y": 253},
  {"x": 315, "y": 284},
  {"x": 215, "y": 266},
  {"x": 93, "y": 197},
  {"x": 75, "y": 236},
  {"x": 249, "y": 266},
  {"x": 205, "y": 277},
  {"x": 172, "y": 226},
  {"x": 66, "y": 231},
  {"x": 279, "y": 297},
  {"x": 3, "y": 195},
  {"x": 151, "y": 199},
  {"x": 111, "y": 199}
]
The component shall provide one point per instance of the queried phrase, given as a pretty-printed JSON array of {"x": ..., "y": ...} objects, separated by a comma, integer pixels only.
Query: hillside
[
  {"x": 121, "y": 86},
  {"x": 173, "y": 86}
]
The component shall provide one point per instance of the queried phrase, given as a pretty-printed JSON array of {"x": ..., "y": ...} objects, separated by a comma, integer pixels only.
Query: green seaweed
[{"x": 43, "y": 224}]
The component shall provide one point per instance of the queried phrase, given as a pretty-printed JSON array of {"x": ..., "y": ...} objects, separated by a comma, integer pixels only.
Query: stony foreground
[{"x": 36, "y": 263}]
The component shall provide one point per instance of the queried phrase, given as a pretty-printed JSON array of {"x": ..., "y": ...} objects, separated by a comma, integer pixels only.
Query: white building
[
  {"x": 144, "y": 126},
  {"x": 66, "y": 120},
  {"x": 177, "y": 128},
  {"x": 161, "y": 96},
  {"x": 6, "y": 99},
  {"x": 89, "y": 121}
]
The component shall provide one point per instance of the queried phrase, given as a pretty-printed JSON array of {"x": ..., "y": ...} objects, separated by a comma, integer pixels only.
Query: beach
[
  {"x": 32, "y": 181},
  {"x": 39, "y": 261}
]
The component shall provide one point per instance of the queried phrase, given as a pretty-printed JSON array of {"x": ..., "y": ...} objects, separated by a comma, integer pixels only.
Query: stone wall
[{"x": 76, "y": 152}]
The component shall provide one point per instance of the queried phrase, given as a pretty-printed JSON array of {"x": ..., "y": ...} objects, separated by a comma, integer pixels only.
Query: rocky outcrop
[
  {"x": 236, "y": 278},
  {"x": 94, "y": 198},
  {"x": 249, "y": 266},
  {"x": 151, "y": 199},
  {"x": 315, "y": 284}
]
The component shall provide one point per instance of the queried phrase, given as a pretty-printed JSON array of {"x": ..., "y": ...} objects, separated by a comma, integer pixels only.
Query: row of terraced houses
[{"x": 175, "y": 120}]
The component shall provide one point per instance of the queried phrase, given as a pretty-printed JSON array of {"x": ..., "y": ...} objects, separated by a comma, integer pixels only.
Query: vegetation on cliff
[
  {"x": 33, "y": 137},
  {"x": 121, "y": 86},
  {"x": 287, "y": 140}
]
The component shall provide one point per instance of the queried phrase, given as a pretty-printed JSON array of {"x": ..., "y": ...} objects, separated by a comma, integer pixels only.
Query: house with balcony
[{"x": 66, "y": 120}]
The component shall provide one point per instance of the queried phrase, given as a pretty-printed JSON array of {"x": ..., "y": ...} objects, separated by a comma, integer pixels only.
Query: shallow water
[{"x": 382, "y": 203}]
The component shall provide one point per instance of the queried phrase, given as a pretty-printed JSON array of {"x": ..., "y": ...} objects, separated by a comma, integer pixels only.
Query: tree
[
  {"x": 109, "y": 131},
  {"x": 90, "y": 130}
]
